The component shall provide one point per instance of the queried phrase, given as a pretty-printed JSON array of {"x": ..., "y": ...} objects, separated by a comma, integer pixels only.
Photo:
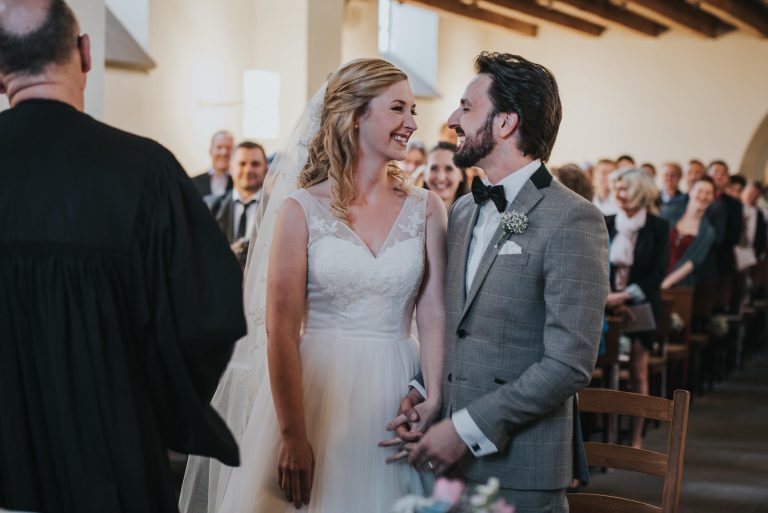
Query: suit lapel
[
  {"x": 466, "y": 241},
  {"x": 526, "y": 199}
]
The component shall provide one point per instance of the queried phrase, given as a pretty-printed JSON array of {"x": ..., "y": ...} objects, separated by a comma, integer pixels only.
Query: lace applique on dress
[{"x": 345, "y": 279}]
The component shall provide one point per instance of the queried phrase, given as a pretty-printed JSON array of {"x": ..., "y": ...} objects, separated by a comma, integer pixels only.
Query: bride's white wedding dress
[{"x": 357, "y": 356}]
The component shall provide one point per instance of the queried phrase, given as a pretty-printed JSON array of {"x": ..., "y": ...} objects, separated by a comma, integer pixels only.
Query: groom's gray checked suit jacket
[{"x": 524, "y": 338}]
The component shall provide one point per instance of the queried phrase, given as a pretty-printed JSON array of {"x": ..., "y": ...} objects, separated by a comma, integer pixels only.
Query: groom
[{"x": 524, "y": 302}]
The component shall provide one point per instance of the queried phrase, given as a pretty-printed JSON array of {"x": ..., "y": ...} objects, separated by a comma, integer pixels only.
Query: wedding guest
[
  {"x": 116, "y": 317},
  {"x": 755, "y": 224},
  {"x": 413, "y": 165},
  {"x": 727, "y": 217},
  {"x": 236, "y": 211},
  {"x": 443, "y": 176},
  {"x": 216, "y": 180},
  {"x": 625, "y": 161},
  {"x": 693, "y": 172},
  {"x": 691, "y": 237},
  {"x": 638, "y": 263},
  {"x": 649, "y": 168},
  {"x": 671, "y": 174},
  {"x": 736, "y": 185},
  {"x": 573, "y": 177},
  {"x": 604, "y": 199}
]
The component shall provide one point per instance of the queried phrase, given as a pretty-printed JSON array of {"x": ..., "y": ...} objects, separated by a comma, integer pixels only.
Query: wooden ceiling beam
[
  {"x": 475, "y": 13},
  {"x": 531, "y": 8},
  {"x": 745, "y": 14},
  {"x": 681, "y": 14},
  {"x": 610, "y": 12}
]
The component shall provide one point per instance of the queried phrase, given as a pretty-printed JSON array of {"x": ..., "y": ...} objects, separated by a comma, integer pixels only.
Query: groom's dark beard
[{"x": 477, "y": 147}]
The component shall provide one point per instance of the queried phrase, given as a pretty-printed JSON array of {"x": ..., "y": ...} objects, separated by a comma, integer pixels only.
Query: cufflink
[{"x": 475, "y": 447}]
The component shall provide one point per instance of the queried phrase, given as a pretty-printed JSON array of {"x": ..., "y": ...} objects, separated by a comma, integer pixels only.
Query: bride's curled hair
[{"x": 333, "y": 151}]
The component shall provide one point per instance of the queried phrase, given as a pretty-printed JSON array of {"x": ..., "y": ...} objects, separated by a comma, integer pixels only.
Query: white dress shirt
[
  {"x": 250, "y": 213},
  {"x": 487, "y": 222}
]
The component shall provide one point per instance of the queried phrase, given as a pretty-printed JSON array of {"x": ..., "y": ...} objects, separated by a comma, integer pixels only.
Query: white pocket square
[{"x": 510, "y": 248}]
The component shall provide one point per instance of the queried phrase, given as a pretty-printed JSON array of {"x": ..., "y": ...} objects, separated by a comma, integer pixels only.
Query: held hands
[
  {"x": 295, "y": 470},
  {"x": 413, "y": 418}
]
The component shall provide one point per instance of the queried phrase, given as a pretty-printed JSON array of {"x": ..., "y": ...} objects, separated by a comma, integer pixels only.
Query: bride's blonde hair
[{"x": 333, "y": 151}]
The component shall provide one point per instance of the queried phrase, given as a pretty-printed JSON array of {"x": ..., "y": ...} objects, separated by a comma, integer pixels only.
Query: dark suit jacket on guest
[
  {"x": 223, "y": 210},
  {"x": 203, "y": 183},
  {"x": 726, "y": 215},
  {"x": 650, "y": 263}
]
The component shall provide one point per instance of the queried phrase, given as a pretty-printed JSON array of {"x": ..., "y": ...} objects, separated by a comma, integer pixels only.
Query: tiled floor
[{"x": 726, "y": 457}]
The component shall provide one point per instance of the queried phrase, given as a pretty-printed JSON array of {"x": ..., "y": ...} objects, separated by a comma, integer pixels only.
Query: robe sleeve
[{"x": 191, "y": 308}]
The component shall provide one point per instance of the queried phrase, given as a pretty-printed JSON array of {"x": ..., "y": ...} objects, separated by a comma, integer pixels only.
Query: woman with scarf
[{"x": 638, "y": 260}]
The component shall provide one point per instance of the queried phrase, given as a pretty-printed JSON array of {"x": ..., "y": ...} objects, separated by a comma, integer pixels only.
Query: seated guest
[
  {"x": 236, "y": 211},
  {"x": 735, "y": 187},
  {"x": 638, "y": 262},
  {"x": 625, "y": 161},
  {"x": 573, "y": 177},
  {"x": 414, "y": 161},
  {"x": 603, "y": 199},
  {"x": 691, "y": 237},
  {"x": 754, "y": 220},
  {"x": 695, "y": 170},
  {"x": 727, "y": 218},
  {"x": 442, "y": 175},
  {"x": 649, "y": 168},
  {"x": 216, "y": 180},
  {"x": 673, "y": 209},
  {"x": 671, "y": 174}
]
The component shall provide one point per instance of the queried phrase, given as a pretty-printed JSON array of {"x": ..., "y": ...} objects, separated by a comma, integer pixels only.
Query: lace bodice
[{"x": 351, "y": 291}]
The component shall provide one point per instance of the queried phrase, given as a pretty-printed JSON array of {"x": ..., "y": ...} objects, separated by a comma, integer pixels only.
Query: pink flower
[
  {"x": 501, "y": 506},
  {"x": 448, "y": 490}
]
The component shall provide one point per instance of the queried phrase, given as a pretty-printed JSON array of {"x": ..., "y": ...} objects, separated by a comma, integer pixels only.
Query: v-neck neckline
[{"x": 383, "y": 246}]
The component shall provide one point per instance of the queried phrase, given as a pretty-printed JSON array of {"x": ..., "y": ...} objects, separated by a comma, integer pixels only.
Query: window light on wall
[{"x": 261, "y": 113}]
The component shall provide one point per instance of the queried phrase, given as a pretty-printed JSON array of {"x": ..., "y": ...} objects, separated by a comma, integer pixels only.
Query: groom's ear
[{"x": 509, "y": 122}]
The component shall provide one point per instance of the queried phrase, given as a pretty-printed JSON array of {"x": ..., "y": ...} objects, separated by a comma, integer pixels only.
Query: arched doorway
[{"x": 754, "y": 165}]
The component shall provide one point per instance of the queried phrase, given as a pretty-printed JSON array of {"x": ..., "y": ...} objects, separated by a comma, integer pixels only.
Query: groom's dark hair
[
  {"x": 50, "y": 42},
  {"x": 530, "y": 90}
]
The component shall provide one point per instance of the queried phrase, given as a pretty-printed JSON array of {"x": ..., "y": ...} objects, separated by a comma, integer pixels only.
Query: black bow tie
[{"x": 483, "y": 193}]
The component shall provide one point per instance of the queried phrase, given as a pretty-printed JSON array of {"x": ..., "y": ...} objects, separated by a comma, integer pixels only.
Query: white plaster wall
[
  {"x": 202, "y": 49},
  {"x": 674, "y": 97}
]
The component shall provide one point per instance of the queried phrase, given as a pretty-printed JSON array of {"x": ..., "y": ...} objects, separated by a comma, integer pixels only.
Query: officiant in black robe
[{"x": 120, "y": 300}]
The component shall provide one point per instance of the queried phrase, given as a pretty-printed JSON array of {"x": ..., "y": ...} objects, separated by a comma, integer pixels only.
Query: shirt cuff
[
  {"x": 471, "y": 435},
  {"x": 419, "y": 388}
]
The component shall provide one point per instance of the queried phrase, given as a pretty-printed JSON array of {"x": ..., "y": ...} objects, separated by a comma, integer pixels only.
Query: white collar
[
  {"x": 515, "y": 181},
  {"x": 256, "y": 197}
]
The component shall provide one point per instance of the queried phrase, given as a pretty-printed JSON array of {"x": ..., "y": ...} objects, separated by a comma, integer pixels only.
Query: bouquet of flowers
[{"x": 451, "y": 496}]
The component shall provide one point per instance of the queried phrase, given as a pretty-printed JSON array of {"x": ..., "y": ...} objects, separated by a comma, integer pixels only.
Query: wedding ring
[{"x": 431, "y": 467}]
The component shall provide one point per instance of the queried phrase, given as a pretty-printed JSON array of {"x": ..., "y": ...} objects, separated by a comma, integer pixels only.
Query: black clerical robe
[{"x": 120, "y": 302}]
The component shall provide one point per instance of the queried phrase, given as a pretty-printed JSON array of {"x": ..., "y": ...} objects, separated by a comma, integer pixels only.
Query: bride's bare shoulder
[{"x": 321, "y": 192}]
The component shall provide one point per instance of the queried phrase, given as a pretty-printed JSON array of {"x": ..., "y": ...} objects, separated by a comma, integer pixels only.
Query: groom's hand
[{"x": 439, "y": 449}]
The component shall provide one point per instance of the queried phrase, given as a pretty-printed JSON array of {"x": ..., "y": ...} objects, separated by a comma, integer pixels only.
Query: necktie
[
  {"x": 482, "y": 193},
  {"x": 241, "y": 224}
]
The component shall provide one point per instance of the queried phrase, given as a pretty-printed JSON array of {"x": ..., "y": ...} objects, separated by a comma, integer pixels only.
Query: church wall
[{"x": 674, "y": 97}]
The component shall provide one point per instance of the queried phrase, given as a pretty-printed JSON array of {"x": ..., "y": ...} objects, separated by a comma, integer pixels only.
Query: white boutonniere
[{"x": 511, "y": 222}]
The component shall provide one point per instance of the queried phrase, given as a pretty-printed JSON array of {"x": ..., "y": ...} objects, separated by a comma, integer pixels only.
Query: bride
[{"x": 349, "y": 254}]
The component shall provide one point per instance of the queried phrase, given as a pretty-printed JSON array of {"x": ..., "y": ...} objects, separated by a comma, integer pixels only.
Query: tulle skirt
[{"x": 352, "y": 388}]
